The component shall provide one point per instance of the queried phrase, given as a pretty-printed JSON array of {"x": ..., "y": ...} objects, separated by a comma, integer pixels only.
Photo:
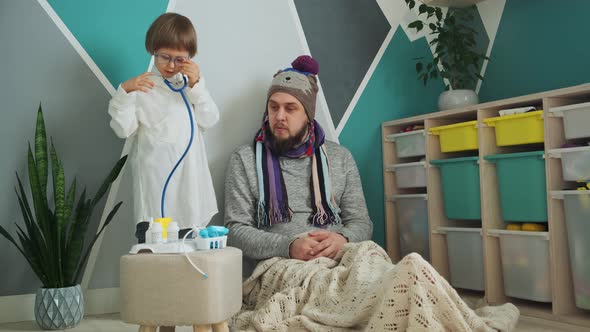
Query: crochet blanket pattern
[{"x": 360, "y": 290}]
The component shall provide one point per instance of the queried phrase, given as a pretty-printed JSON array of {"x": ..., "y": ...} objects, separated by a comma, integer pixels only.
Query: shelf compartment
[
  {"x": 465, "y": 253},
  {"x": 525, "y": 264},
  {"x": 457, "y": 137},
  {"x": 518, "y": 129},
  {"x": 412, "y": 216},
  {"x": 409, "y": 144},
  {"x": 575, "y": 119},
  {"x": 575, "y": 162},
  {"x": 521, "y": 184},
  {"x": 409, "y": 175},
  {"x": 460, "y": 187},
  {"x": 576, "y": 205}
]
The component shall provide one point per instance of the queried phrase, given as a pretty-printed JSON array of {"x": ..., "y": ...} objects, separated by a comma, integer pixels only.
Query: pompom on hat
[{"x": 299, "y": 81}]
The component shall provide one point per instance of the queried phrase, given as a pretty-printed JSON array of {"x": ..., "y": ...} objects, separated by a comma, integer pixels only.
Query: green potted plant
[
  {"x": 53, "y": 237},
  {"x": 455, "y": 55}
]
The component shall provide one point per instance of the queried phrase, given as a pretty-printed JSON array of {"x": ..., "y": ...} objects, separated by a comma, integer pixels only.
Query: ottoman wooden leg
[
  {"x": 167, "y": 328},
  {"x": 220, "y": 327},
  {"x": 144, "y": 328},
  {"x": 201, "y": 328}
]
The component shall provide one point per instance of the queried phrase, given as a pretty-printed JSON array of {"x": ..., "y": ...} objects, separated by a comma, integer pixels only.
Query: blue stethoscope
[{"x": 190, "y": 115}]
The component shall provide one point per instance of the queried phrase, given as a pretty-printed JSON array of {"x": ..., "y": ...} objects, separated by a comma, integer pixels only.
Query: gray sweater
[{"x": 241, "y": 197}]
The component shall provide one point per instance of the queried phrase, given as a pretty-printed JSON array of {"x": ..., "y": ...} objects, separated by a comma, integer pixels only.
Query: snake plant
[{"x": 53, "y": 238}]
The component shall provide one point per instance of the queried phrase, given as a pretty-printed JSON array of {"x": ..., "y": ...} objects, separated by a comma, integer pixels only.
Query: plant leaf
[
  {"x": 82, "y": 263},
  {"x": 110, "y": 178},
  {"x": 422, "y": 8},
  {"x": 419, "y": 67},
  {"x": 41, "y": 151}
]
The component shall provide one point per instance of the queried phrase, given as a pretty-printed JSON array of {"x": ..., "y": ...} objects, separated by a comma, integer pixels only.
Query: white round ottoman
[{"x": 165, "y": 290}]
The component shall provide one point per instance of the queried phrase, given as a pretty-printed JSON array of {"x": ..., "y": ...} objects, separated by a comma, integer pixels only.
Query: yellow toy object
[
  {"x": 530, "y": 227},
  {"x": 164, "y": 222},
  {"x": 514, "y": 227}
]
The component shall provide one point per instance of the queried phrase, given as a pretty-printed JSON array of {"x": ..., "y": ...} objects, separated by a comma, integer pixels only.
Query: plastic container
[
  {"x": 457, "y": 137},
  {"x": 577, "y": 222},
  {"x": 575, "y": 119},
  {"x": 525, "y": 264},
  {"x": 172, "y": 231},
  {"x": 465, "y": 250},
  {"x": 575, "y": 162},
  {"x": 410, "y": 144},
  {"x": 157, "y": 231},
  {"x": 460, "y": 187},
  {"x": 521, "y": 183},
  {"x": 410, "y": 175},
  {"x": 517, "y": 129},
  {"x": 412, "y": 221}
]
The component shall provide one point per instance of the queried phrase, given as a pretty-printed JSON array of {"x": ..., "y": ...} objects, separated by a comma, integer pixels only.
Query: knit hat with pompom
[{"x": 299, "y": 81}]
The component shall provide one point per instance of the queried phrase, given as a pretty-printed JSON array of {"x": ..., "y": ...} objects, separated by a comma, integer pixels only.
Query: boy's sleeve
[
  {"x": 123, "y": 112},
  {"x": 206, "y": 110}
]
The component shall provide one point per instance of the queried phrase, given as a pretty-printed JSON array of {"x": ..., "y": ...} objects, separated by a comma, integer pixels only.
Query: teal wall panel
[
  {"x": 541, "y": 45},
  {"x": 112, "y": 32}
]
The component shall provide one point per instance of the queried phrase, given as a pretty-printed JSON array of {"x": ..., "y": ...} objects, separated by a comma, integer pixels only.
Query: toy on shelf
[{"x": 527, "y": 227}]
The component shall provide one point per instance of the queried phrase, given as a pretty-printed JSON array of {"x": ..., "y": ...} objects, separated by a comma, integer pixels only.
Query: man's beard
[{"x": 280, "y": 147}]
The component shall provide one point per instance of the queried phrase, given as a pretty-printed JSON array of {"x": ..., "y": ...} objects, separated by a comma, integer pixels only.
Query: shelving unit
[{"x": 563, "y": 306}]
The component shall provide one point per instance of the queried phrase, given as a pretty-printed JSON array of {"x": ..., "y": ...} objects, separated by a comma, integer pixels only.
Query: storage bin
[
  {"x": 521, "y": 185},
  {"x": 465, "y": 250},
  {"x": 412, "y": 221},
  {"x": 410, "y": 175},
  {"x": 577, "y": 221},
  {"x": 575, "y": 119},
  {"x": 575, "y": 162},
  {"x": 460, "y": 187},
  {"x": 457, "y": 137},
  {"x": 410, "y": 144},
  {"x": 517, "y": 129},
  {"x": 525, "y": 264}
]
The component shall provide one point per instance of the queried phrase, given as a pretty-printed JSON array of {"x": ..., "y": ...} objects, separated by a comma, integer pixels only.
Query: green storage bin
[
  {"x": 521, "y": 183},
  {"x": 460, "y": 187}
]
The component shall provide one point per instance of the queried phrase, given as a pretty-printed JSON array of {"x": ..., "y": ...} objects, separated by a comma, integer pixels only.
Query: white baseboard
[
  {"x": 19, "y": 308},
  {"x": 102, "y": 301}
]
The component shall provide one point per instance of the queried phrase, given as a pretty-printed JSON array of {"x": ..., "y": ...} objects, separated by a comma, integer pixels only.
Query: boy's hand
[
  {"x": 191, "y": 69},
  {"x": 141, "y": 83}
]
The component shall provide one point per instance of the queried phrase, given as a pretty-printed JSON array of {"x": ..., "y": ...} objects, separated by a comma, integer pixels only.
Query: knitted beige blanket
[{"x": 361, "y": 290}]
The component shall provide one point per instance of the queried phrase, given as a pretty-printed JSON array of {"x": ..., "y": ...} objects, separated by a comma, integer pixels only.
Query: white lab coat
[{"x": 160, "y": 123}]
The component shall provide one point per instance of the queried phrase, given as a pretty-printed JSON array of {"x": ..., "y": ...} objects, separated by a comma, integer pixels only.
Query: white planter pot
[{"x": 456, "y": 98}]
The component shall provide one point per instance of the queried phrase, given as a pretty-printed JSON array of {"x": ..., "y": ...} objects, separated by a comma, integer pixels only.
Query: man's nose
[{"x": 281, "y": 114}]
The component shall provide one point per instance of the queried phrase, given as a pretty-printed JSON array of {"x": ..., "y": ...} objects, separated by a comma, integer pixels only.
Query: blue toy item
[{"x": 213, "y": 231}]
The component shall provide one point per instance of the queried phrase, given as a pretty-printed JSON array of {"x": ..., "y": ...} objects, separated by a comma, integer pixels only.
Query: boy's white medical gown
[{"x": 160, "y": 123}]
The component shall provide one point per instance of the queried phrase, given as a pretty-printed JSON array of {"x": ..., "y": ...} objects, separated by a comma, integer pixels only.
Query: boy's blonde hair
[{"x": 174, "y": 31}]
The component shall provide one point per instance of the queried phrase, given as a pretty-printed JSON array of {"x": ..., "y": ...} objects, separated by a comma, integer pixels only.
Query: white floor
[{"x": 111, "y": 323}]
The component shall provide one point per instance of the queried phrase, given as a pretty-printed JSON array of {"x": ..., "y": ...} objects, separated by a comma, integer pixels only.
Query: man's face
[{"x": 286, "y": 116}]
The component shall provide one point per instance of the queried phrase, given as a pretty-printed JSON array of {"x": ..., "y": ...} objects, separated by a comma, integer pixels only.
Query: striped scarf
[{"x": 273, "y": 205}]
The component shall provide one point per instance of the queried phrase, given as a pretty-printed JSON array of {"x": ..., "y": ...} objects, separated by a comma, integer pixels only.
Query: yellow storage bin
[
  {"x": 517, "y": 129},
  {"x": 457, "y": 137}
]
